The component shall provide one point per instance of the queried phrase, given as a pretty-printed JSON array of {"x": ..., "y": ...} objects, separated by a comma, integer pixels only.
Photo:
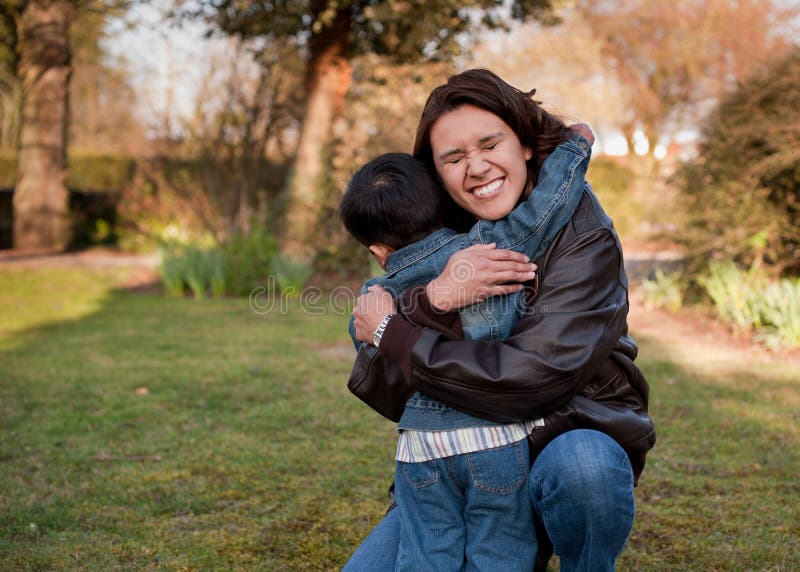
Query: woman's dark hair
[{"x": 536, "y": 128}]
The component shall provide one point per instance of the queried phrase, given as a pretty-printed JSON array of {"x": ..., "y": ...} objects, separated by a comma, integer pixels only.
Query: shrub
[
  {"x": 665, "y": 290},
  {"x": 196, "y": 273},
  {"x": 291, "y": 274},
  {"x": 248, "y": 261},
  {"x": 231, "y": 269},
  {"x": 94, "y": 217},
  {"x": 751, "y": 301},
  {"x": 746, "y": 179},
  {"x": 735, "y": 293},
  {"x": 8, "y": 169},
  {"x": 98, "y": 172},
  {"x": 86, "y": 171},
  {"x": 780, "y": 310},
  {"x": 94, "y": 182},
  {"x": 613, "y": 184},
  {"x": 217, "y": 275},
  {"x": 171, "y": 270}
]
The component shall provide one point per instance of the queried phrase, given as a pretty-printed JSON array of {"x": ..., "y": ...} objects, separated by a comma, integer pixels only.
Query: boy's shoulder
[
  {"x": 421, "y": 249},
  {"x": 420, "y": 260}
]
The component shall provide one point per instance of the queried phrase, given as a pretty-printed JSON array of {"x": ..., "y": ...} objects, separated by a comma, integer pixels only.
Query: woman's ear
[{"x": 528, "y": 153}]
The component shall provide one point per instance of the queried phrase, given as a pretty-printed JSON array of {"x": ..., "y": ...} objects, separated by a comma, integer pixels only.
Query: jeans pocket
[
  {"x": 501, "y": 470},
  {"x": 420, "y": 474}
]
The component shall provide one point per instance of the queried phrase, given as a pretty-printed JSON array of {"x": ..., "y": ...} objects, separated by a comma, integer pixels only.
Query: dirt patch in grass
[{"x": 142, "y": 278}]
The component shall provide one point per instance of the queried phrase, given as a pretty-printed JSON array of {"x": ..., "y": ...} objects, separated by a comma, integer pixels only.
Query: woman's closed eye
[{"x": 456, "y": 159}]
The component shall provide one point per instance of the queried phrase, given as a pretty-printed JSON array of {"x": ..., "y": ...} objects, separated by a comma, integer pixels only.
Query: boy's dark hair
[{"x": 393, "y": 200}]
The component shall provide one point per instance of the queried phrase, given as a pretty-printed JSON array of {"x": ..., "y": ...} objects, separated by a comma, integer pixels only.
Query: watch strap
[{"x": 376, "y": 337}]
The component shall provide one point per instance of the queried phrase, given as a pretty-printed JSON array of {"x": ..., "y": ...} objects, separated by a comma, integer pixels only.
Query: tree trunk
[
  {"x": 628, "y": 129},
  {"x": 40, "y": 197},
  {"x": 327, "y": 82}
]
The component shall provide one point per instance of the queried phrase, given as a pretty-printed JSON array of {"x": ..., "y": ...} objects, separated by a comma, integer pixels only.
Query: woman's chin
[{"x": 491, "y": 210}]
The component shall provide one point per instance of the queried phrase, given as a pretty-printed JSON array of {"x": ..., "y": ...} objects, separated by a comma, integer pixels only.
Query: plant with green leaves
[
  {"x": 780, "y": 311},
  {"x": 248, "y": 260},
  {"x": 196, "y": 271},
  {"x": 665, "y": 290},
  {"x": 291, "y": 274},
  {"x": 735, "y": 293},
  {"x": 217, "y": 273},
  {"x": 750, "y": 300},
  {"x": 171, "y": 271},
  {"x": 234, "y": 268}
]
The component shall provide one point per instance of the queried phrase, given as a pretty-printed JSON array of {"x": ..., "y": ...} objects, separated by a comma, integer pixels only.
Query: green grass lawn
[{"x": 142, "y": 432}]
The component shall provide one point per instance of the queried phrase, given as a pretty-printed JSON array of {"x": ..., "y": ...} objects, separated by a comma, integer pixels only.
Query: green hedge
[
  {"x": 8, "y": 170},
  {"x": 612, "y": 182},
  {"x": 88, "y": 172}
]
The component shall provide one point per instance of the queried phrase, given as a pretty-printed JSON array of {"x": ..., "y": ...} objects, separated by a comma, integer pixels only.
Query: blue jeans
[
  {"x": 466, "y": 512},
  {"x": 582, "y": 490}
]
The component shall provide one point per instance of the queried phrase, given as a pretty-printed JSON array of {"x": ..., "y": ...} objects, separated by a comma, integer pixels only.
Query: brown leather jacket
[{"x": 569, "y": 359}]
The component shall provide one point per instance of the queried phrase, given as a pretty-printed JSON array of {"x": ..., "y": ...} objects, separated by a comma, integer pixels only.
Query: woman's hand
[
  {"x": 476, "y": 273},
  {"x": 370, "y": 309}
]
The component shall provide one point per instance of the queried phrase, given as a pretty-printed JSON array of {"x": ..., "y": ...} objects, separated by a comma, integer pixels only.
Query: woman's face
[{"x": 480, "y": 160}]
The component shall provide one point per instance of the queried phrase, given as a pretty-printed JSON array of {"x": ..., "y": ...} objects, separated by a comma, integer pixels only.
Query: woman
[{"x": 569, "y": 360}]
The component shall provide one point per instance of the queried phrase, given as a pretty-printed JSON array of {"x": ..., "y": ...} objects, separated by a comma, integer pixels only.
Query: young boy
[{"x": 460, "y": 480}]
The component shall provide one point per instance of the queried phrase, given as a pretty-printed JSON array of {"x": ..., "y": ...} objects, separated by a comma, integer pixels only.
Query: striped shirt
[{"x": 417, "y": 446}]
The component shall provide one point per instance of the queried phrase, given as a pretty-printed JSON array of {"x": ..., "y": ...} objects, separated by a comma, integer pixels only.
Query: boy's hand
[
  {"x": 370, "y": 309},
  {"x": 476, "y": 273},
  {"x": 583, "y": 130}
]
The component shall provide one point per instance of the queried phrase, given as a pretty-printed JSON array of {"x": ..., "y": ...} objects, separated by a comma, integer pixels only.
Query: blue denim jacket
[{"x": 528, "y": 229}]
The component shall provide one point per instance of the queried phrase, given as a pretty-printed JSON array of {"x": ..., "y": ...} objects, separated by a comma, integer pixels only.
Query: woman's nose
[{"x": 477, "y": 166}]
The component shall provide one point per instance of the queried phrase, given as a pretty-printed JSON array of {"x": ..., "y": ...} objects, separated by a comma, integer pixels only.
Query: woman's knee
[
  {"x": 587, "y": 465},
  {"x": 582, "y": 490}
]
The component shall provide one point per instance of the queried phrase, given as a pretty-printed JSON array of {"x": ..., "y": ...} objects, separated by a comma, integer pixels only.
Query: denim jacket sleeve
[{"x": 535, "y": 222}]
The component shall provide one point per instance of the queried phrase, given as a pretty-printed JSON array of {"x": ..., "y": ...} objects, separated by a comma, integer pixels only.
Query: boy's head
[{"x": 391, "y": 202}]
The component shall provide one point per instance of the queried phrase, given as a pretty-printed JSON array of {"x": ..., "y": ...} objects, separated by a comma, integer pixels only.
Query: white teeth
[{"x": 485, "y": 190}]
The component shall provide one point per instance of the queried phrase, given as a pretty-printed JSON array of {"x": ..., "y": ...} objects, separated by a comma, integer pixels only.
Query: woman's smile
[{"x": 489, "y": 189}]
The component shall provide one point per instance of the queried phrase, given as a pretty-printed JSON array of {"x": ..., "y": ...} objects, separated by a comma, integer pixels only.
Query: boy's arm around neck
[{"x": 535, "y": 222}]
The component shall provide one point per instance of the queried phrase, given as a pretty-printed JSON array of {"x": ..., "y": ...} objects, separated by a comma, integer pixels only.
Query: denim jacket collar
[{"x": 415, "y": 251}]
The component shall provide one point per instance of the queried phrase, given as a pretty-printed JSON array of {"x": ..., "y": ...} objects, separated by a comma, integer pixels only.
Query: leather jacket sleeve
[{"x": 378, "y": 381}]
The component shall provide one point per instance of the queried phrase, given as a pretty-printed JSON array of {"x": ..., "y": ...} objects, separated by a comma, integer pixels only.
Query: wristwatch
[{"x": 376, "y": 337}]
